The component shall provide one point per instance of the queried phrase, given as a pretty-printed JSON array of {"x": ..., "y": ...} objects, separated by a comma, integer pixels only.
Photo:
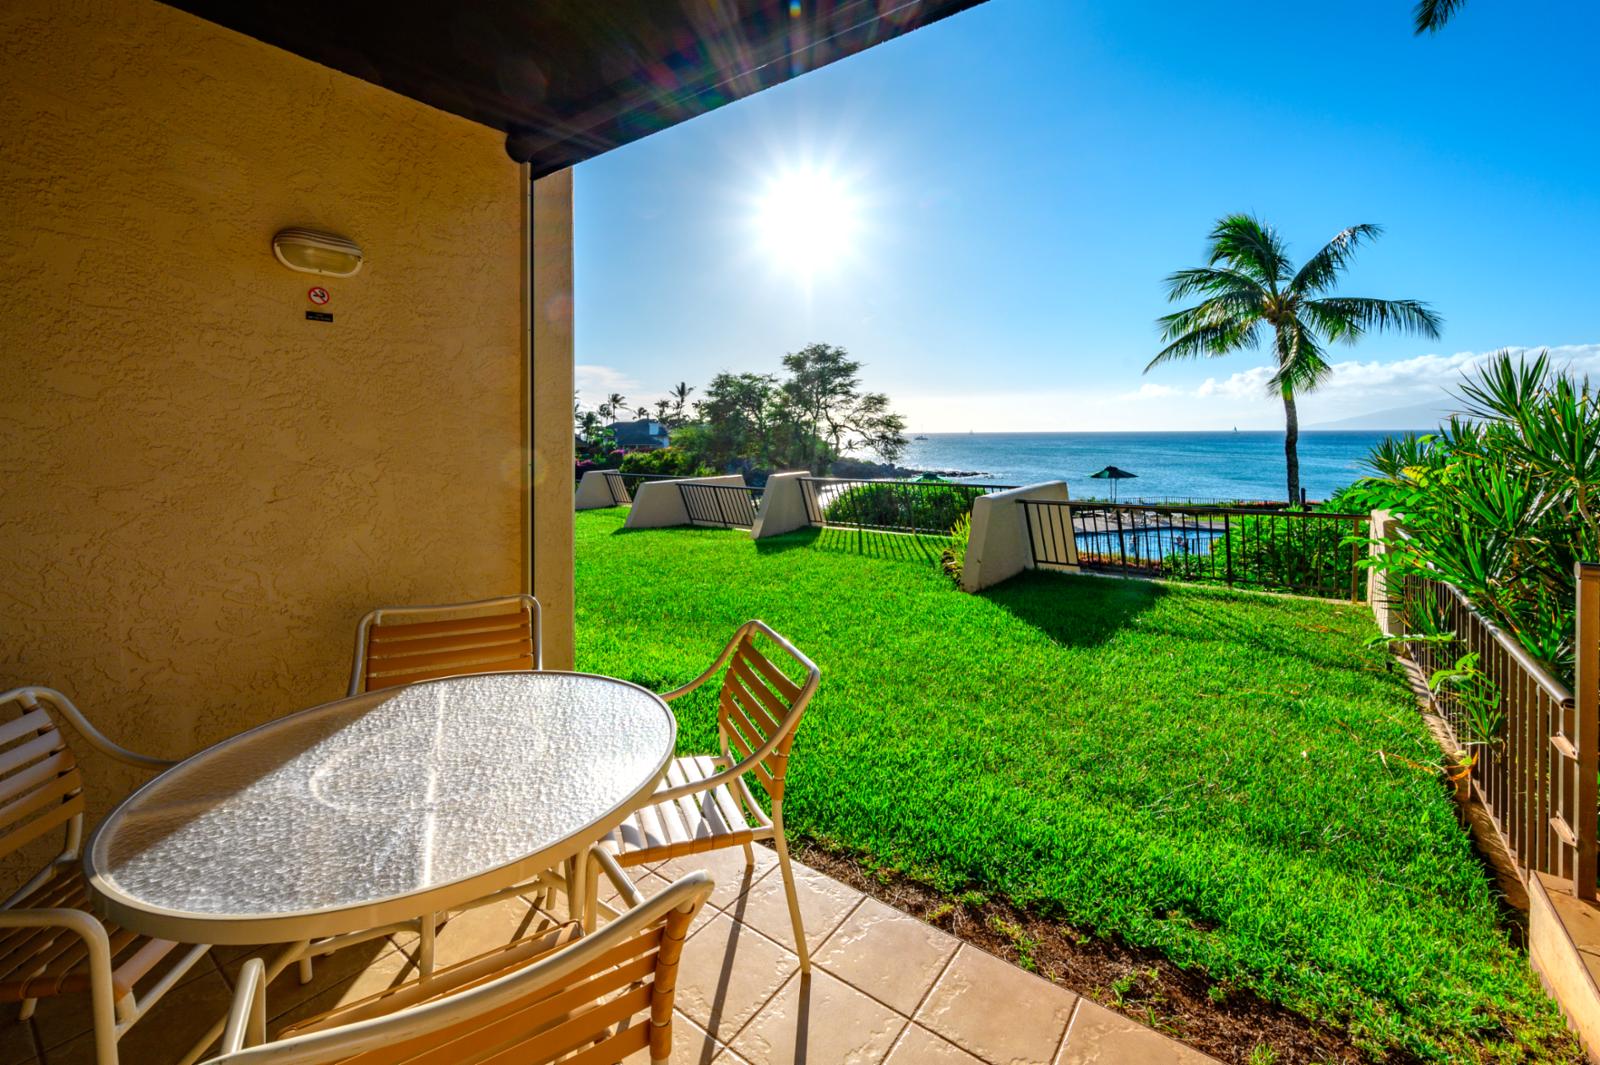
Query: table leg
[
  {"x": 577, "y": 891},
  {"x": 287, "y": 957},
  {"x": 427, "y": 926}
]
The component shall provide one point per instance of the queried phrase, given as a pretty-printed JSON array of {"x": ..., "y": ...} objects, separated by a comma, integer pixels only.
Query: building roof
[{"x": 569, "y": 79}]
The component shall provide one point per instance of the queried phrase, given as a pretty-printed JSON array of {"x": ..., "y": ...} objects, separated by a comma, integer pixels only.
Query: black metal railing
[
  {"x": 727, "y": 506},
  {"x": 618, "y": 487},
  {"x": 1306, "y": 552},
  {"x": 928, "y": 507}
]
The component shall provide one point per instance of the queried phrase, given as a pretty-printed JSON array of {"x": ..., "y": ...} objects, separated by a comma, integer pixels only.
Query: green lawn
[{"x": 1187, "y": 768}]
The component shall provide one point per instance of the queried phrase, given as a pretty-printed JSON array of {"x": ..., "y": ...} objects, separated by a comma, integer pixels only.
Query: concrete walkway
[{"x": 885, "y": 988}]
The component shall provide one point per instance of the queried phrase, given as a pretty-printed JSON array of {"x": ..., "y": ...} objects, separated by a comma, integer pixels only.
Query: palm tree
[
  {"x": 1431, "y": 15},
  {"x": 618, "y": 405},
  {"x": 641, "y": 412},
  {"x": 680, "y": 399},
  {"x": 1248, "y": 282}
]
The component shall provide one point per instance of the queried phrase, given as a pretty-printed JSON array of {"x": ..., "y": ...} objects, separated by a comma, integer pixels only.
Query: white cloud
[
  {"x": 1357, "y": 387},
  {"x": 595, "y": 383},
  {"x": 1151, "y": 391},
  {"x": 1239, "y": 400}
]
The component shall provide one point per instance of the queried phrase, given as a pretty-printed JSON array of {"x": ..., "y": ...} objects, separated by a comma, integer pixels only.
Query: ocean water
[{"x": 1182, "y": 466}]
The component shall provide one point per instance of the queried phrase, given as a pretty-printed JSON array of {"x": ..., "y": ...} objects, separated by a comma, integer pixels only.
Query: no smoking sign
[{"x": 318, "y": 295}]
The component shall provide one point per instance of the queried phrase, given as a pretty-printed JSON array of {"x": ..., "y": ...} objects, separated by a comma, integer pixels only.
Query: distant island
[{"x": 1419, "y": 417}]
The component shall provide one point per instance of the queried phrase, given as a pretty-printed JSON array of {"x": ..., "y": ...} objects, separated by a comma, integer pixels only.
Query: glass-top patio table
[{"x": 380, "y": 808}]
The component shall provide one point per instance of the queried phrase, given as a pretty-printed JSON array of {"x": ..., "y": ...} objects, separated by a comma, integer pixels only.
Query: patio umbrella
[{"x": 1113, "y": 474}]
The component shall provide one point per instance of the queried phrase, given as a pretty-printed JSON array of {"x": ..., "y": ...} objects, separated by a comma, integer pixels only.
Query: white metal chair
[
  {"x": 398, "y": 645},
  {"x": 50, "y": 942},
  {"x": 597, "y": 997},
  {"x": 705, "y": 802}
]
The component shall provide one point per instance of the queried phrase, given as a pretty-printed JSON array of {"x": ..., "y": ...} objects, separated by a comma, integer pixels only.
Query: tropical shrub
[
  {"x": 1304, "y": 554},
  {"x": 670, "y": 461},
  {"x": 1501, "y": 502},
  {"x": 953, "y": 559},
  {"x": 921, "y": 505}
]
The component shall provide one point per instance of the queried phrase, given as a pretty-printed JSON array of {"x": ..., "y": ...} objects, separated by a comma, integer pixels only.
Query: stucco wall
[{"x": 203, "y": 491}]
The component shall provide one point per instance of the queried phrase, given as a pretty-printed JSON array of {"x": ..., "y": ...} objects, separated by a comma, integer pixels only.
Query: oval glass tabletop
[{"x": 380, "y": 807}]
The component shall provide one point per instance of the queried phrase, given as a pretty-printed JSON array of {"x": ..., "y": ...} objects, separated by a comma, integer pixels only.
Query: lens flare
[{"x": 808, "y": 220}]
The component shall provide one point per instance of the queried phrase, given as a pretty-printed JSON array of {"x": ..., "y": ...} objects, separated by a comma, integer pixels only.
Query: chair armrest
[
  {"x": 722, "y": 660},
  {"x": 247, "y": 1016},
  {"x": 601, "y": 860},
  {"x": 32, "y": 696}
]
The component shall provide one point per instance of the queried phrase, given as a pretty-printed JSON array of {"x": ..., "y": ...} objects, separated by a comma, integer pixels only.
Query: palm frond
[
  {"x": 1323, "y": 269},
  {"x": 1251, "y": 247},
  {"x": 1431, "y": 15},
  {"x": 1208, "y": 341},
  {"x": 1302, "y": 365},
  {"x": 1242, "y": 306},
  {"x": 1362, "y": 312},
  {"x": 1207, "y": 280}
]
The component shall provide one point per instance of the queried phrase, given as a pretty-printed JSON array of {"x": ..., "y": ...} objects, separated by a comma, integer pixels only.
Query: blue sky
[{"x": 1022, "y": 176}]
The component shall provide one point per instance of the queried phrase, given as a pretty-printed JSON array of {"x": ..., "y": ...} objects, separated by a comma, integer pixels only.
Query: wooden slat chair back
[
  {"x": 593, "y": 1002},
  {"x": 51, "y": 944},
  {"x": 41, "y": 786},
  {"x": 705, "y": 802},
  {"x": 759, "y": 707},
  {"x": 403, "y": 645}
]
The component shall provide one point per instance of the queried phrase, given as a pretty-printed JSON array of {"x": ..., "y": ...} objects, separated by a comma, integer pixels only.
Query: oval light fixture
[{"x": 312, "y": 251}]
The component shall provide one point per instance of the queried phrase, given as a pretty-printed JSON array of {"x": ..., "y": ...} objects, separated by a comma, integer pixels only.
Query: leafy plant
[
  {"x": 671, "y": 461},
  {"x": 1500, "y": 502},
  {"x": 954, "y": 558},
  {"x": 1480, "y": 721}
]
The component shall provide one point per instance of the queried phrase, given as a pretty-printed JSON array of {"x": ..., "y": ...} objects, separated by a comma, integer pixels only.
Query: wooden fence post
[{"x": 1587, "y": 697}]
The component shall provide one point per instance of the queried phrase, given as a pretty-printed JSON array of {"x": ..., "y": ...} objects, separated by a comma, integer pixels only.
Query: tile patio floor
[{"x": 885, "y": 988}]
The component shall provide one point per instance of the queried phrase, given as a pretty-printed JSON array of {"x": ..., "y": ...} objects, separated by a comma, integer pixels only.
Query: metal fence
[
  {"x": 1533, "y": 745},
  {"x": 929, "y": 507},
  {"x": 727, "y": 506},
  {"x": 1307, "y": 552}
]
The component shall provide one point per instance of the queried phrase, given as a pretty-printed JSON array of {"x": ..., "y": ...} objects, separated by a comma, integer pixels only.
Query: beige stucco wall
[{"x": 202, "y": 491}]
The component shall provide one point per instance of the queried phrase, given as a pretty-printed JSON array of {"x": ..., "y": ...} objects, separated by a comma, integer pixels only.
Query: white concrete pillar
[{"x": 1000, "y": 548}]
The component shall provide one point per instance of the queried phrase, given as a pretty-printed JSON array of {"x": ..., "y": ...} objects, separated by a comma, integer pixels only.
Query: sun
[{"x": 807, "y": 221}]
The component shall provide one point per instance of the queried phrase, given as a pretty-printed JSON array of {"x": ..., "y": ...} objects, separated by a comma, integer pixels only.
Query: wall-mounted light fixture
[{"x": 313, "y": 252}]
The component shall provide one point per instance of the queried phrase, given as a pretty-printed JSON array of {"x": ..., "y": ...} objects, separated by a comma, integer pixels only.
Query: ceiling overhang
[{"x": 568, "y": 79}]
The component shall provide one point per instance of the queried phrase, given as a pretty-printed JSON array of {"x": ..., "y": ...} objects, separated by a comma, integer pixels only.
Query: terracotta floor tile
[
  {"x": 64, "y": 1017},
  {"x": 727, "y": 868},
  {"x": 171, "y": 1027},
  {"x": 918, "y": 1046},
  {"x": 1099, "y": 1036},
  {"x": 387, "y": 970},
  {"x": 690, "y": 1045},
  {"x": 824, "y": 904},
  {"x": 727, "y": 972},
  {"x": 890, "y": 955},
  {"x": 16, "y": 1039},
  {"x": 329, "y": 970},
  {"x": 817, "y": 1020},
  {"x": 472, "y": 932},
  {"x": 996, "y": 1011}
]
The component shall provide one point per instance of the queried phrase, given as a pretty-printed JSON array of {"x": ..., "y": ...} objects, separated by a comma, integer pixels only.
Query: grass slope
[{"x": 1190, "y": 769}]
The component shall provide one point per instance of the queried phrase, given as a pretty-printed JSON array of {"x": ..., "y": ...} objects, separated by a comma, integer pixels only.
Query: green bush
[
  {"x": 671, "y": 461},
  {"x": 918, "y": 505},
  {"x": 1296, "y": 554}
]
